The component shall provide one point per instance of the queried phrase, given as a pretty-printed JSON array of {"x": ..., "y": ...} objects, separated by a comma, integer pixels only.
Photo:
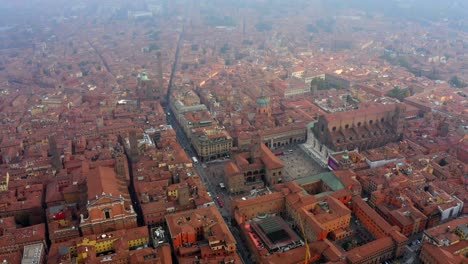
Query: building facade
[
  {"x": 211, "y": 143},
  {"x": 109, "y": 207},
  {"x": 361, "y": 129},
  {"x": 254, "y": 169}
]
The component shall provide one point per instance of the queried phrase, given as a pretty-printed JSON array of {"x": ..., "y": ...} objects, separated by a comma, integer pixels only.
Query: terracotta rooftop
[
  {"x": 102, "y": 180},
  {"x": 359, "y": 254}
]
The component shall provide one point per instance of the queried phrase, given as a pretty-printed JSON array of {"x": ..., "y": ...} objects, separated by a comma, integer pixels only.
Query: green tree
[
  {"x": 457, "y": 83},
  {"x": 399, "y": 93}
]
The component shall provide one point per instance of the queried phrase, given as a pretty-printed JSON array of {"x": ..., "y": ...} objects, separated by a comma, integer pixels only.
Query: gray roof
[{"x": 464, "y": 229}]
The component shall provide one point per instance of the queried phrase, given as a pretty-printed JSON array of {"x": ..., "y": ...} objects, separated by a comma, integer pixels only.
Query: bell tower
[{"x": 263, "y": 104}]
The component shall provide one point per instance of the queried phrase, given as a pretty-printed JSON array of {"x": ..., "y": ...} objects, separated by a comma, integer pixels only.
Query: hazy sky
[{"x": 17, "y": 11}]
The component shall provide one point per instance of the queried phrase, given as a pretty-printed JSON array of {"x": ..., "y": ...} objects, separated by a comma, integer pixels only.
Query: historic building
[
  {"x": 283, "y": 136},
  {"x": 211, "y": 143},
  {"x": 201, "y": 236},
  {"x": 378, "y": 227},
  {"x": 121, "y": 246},
  {"x": 254, "y": 169},
  {"x": 397, "y": 209},
  {"x": 445, "y": 243},
  {"x": 109, "y": 206},
  {"x": 365, "y": 128}
]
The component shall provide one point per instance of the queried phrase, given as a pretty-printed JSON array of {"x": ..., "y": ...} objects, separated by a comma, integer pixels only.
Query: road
[
  {"x": 103, "y": 60},
  {"x": 186, "y": 145}
]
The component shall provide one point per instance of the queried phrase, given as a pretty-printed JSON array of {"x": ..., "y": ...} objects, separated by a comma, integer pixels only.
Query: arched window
[
  {"x": 334, "y": 128},
  {"x": 359, "y": 124},
  {"x": 107, "y": 213},
  {"x": 371, "y": 122},
  {"x": 347, "y": 126}
]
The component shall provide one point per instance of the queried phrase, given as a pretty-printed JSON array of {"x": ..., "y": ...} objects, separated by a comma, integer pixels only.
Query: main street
[{"x": 186, "y": 145}]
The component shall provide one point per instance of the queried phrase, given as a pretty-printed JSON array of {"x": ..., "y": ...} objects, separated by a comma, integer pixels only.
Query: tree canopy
[{"x": 457, "y": 83}]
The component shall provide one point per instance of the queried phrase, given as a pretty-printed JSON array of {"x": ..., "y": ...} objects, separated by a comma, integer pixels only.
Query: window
[
  {"x": 107, "y": 214},
  {"x": 347, "y": 126},
  {"x": 382, "y": 119},
  {"x": 359, "y": 124},
  {"x": 371, "y": 122},
  {"x": 334, "y": 128}
]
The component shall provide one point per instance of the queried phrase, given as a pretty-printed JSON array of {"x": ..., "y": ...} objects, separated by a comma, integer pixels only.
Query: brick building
[
  {"x": 15, "y": 240},
  {"x": 121, "y": 246},
  {"x": 398, "y": 210},
  {"x": 252, "y": 170},
  {"x": 445, "y": 243},
  {"x": 364, "y": 128},
  {"x": 201, "y": 235},
  {"x": 109, "y": 207},
  {"x": 379, "y": 228},
  {"x": 23, "y": 201}
]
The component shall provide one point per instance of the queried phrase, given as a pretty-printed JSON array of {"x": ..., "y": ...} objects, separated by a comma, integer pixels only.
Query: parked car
[{"x": 220, "y": 201}]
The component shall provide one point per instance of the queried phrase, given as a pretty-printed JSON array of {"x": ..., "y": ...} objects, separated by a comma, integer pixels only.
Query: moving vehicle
[
  {"x": 194, "y": 159},
  {"x": 222, "y": 185}
]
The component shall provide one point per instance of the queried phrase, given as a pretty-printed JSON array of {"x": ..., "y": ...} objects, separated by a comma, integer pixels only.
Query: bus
[{"x": 194, "y": 159}]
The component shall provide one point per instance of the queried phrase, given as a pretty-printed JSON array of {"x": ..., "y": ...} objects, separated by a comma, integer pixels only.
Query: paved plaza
[{"x": 297, "y": 164}]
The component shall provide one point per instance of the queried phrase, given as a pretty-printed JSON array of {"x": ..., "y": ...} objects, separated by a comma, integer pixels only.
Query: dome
[{"x": 263, "y": 102}]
